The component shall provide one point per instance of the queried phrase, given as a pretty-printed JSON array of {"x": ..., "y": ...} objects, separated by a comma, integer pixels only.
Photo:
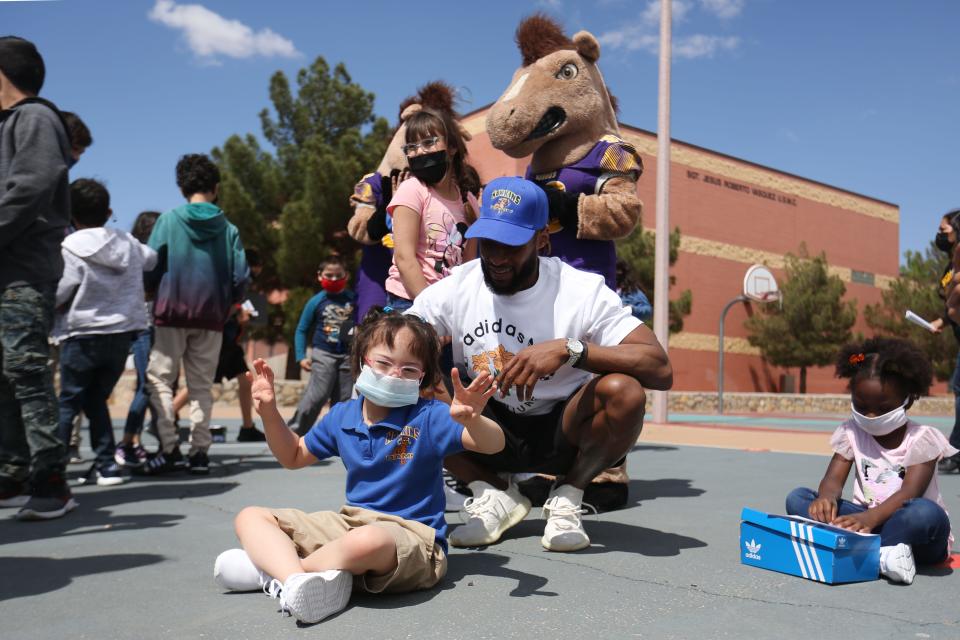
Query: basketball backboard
[{"x": 760, "y": 285}]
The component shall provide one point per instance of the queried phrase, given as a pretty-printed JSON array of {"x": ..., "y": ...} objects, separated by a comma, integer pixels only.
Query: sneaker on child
[
  {"x": 233, "y": 570},
  {"x": 50, "y": 498},
  {"x": 250, "y": 434},
  {"x": 199, "y": 464},
  {"x": 897, "y": 564},
  {"x": 490, "y": 512},
  {"x": 161, "y": 462},
  {"x": 311, "y": 597},
  {"x": 564, "y": 530},
  {"x": 106, "y": 475},
  {"x": 130, "y": 456},
  {"x": 218, "y": 433}
]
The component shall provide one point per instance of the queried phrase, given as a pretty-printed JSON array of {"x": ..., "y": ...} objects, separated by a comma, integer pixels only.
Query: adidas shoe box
[{"x": 807, "y": 548}]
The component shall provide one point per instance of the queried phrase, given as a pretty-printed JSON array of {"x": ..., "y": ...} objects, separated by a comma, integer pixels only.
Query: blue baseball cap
[{"x": 511, "y": 211}]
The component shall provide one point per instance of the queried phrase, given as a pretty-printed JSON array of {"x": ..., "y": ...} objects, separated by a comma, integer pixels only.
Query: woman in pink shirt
[
  {"x": 431, "y": 210},
  {"x": 896, "y": 494}
]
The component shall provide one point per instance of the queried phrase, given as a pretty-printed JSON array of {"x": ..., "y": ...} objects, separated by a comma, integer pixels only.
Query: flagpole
[{"x": 661, "y": 297}]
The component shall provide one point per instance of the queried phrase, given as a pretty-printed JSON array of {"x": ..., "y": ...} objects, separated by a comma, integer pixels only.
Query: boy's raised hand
[
  {"x": 468, "y": 402},
  {"x": 261, "y": 386}
]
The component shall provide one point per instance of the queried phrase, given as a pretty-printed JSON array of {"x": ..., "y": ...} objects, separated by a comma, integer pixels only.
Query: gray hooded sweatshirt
[
  {"x": 34, "y": 193},
  {"x": 101, "y": 290}
]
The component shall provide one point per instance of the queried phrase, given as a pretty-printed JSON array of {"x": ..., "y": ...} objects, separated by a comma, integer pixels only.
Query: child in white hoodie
[{"x": 99, "y": 312}]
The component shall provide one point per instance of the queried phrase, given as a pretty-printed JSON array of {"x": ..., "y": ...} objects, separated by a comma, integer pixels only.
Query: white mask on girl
[
  {"x": 387, "y": 391},
  {"x": 881, "y": 425}
]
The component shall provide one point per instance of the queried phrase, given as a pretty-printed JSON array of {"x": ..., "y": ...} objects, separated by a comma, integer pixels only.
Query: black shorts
[
  {"x": 232, "y": 362},
  {"x": 534, "y": 444}
]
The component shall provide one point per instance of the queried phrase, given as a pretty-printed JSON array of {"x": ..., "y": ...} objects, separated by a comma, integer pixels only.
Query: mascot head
[{"x": 557, "y": 107}]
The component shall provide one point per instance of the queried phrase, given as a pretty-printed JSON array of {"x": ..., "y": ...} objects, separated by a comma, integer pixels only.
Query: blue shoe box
[{"x": 807, "y": 548}]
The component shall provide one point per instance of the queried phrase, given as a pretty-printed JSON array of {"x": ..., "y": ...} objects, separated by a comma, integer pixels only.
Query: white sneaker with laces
[
  {"x": 311, "y": 597},
  {"x": 897, "y": 564},
  {"x": 564, "y": 530},
  {"x": 488, "y": 514},
  {"x": 235, "y": 571}
]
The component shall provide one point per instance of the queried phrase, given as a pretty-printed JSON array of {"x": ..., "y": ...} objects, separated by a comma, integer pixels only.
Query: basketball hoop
[{"x": 759, "y": 285}]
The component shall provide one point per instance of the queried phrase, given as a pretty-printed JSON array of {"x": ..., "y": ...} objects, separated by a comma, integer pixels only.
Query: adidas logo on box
[{"x": 752, "y": 549}]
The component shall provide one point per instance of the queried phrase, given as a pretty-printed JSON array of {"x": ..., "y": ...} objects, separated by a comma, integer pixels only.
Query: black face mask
[
  {"x": 430, "y": 167},
  {"x": 943, "y": 243}
]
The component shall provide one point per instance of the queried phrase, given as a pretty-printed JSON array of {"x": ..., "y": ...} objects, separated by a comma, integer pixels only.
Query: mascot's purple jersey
[
  {"x": 611, "y": 157},
  {"x": 375, "y": 259}
]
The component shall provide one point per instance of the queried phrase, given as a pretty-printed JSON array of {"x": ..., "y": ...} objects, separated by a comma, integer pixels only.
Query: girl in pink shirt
[
  {"x": 896, "y": 494},
  {"x": 431, "y": 210}
]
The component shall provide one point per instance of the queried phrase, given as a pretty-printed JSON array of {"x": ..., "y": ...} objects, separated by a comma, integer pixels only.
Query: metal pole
[
  {"x": 723, "y": 316},
  {"x": 661, "y": 295}
]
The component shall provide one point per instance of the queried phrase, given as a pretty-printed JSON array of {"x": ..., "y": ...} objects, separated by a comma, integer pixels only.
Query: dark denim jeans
[
  {"x": 29, "y": 445},
  {"x": 89, "y": 369},
  {"x": 920, "y": 523},
  {"x": 141, "y": 399}
]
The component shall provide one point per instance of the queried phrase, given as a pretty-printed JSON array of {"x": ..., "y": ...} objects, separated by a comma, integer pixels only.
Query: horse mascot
[{"x": 558, "y": 110}]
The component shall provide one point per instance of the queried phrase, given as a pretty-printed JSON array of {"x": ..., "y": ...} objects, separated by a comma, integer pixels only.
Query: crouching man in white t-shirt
[{"x": 572, "y": 364}]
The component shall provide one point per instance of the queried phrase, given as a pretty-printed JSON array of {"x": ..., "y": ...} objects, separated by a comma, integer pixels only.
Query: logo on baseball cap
[{"x": 511, "y": 211}]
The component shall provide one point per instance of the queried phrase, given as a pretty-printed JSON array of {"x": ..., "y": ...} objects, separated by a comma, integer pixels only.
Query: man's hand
[
  {"x": 532, "y": 363},
  {"x": 859, "y": 522},
  {"x": 468, "y": 403},
  {"x": 823, "y": 510},
  {"x": 261, "y": 387},
  {"x": 305, "y": 364}
]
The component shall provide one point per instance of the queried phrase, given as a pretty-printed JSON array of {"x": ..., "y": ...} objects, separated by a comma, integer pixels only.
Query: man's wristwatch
[{"x": 576, "y": 350}]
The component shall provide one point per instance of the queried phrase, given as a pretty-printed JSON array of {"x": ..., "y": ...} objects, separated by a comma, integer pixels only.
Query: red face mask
[{"x": 333, "y": 286}]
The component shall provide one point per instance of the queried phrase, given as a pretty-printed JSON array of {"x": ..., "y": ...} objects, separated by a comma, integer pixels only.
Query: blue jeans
[
  {"x": 398, "y": 303},
  {"x": 920, "y": 523},
  {"x": 141, "y": 399},
  {"x": 29, "y": 445},
  {"x": 89, "y": 369},
  {"x": 955, "y": 385}
]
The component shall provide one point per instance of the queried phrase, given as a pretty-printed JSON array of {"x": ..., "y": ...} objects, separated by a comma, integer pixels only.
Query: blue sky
[{"x": 863, "y": 94}]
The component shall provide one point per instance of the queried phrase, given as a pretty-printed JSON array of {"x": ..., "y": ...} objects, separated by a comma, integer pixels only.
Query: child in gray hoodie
[{"x": 100, "y": 311}]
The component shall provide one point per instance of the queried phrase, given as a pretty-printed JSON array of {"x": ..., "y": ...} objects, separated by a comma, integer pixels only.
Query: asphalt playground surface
[{"x": 136, "y": 561}]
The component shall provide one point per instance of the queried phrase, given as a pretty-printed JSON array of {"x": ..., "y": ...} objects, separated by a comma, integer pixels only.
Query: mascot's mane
[
  {"x": 436, "y": 95},
  {"x": 538, "y": 36}
]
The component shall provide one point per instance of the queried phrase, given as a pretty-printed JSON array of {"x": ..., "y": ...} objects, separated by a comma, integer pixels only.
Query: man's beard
[{"x": 526, "y": 271}]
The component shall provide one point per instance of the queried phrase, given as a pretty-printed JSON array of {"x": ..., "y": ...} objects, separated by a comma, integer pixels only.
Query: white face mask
[
  {"x": 387, "y": 391},
  {"x": 881, "y": 425}
]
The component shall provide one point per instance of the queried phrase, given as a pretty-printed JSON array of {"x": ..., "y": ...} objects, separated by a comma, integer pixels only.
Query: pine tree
[
  {"x": 291, "y": 202},
  {"x": 916, "y": 290},
  {"x": 813, "y": 323},
  {"x": 638, "y": 250}
]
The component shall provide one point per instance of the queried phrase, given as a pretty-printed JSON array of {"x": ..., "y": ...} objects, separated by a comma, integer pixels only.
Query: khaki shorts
[{"x": 420, "y": 562}]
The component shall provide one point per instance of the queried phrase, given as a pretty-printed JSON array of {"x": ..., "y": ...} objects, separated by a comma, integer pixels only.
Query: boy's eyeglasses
[
  {"x": 386, "y": 367},
  {"x": 427, "y": 144}
]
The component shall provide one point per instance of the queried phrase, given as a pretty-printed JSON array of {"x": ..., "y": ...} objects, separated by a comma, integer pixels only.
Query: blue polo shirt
[{"x": 394, "y": 466}]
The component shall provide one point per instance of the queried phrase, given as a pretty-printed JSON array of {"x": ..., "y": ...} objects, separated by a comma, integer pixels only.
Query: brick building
[{"x": 733, "y": 213}]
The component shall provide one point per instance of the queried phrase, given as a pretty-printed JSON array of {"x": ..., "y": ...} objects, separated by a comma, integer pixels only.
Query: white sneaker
[
  {"x": 897, "y": 563},
  {"x": 488, "y": 514},
  {"x": 235, "y": 571},
  {"x": 564, "y": 530},
  {"x": 311, "y": 597}
]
